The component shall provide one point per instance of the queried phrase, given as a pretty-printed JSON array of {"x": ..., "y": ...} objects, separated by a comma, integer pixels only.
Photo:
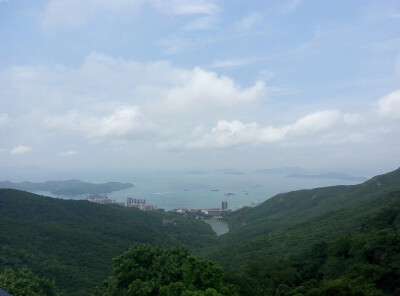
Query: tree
[
  {"x": 144, "y": 270},
  {"x": 24, "y": 282}
]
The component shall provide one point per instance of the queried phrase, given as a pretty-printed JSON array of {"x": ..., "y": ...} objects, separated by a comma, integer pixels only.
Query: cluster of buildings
[
  {"x": 130, "y": 202},
  {"x": 139, "y": 203},
  {"x": 101, "y": 199},
  {"x": 215, "y": 212}
]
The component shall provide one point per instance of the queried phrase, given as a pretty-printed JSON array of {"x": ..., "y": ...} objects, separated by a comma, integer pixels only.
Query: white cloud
[
  {"x": 227, "y": 134},
  {"x": 21, "y": 149},
  {"x": 68, "y": 153},
  {"x": 272, "y": 134},
  {"x": 389, "y": 106},
  {"x": 183, "y": 7},
  {"x": 352, "y": 118},
  {"x": 124, "y": 122},
  {"x": 233, "y": 63},
  {"x": 121, "y": 99},
  {"x": 74, "y": 13},
  {"x": 316, "y": 122},
  {"x": 203, "y": 90}
]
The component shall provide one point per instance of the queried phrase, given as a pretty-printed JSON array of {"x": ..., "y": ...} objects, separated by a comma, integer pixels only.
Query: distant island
[
  {"x": 229, "y": 172},
  {"x": 68, "y": 187},
  {"x": 282, "y": 171},
  {"x": 328, "y": 176}
]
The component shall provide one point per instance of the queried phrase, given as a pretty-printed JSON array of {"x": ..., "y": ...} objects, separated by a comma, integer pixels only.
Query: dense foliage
[
  {"x": 73, "y": 242},
  {"x": 145, "y": 271},
  {"x": 365, "y": 262},
  {"x": 24, "y": 282},
  {"x": 69, "y": 187},
  {"x": 288, "y": 209}
]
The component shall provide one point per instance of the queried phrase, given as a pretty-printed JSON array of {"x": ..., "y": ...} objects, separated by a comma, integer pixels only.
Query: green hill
[
  {"x": 287, "y": 209},
  {"x": 73, "y": 242},
  {"x": 340, "y": 240},
  {"x": 347, "y": 252}
]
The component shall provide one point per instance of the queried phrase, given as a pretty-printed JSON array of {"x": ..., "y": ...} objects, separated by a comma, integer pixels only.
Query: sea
[{"x": 201, "y": 190}]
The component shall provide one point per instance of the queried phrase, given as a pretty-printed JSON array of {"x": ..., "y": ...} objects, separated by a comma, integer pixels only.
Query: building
[
  {"x": 100, "y": 199},
  {"x": 224, "y": 205},
  {"x": 135, "y": 201},
  {"x": 143, "y": 207},
  {"x": 216, "y": 212}
]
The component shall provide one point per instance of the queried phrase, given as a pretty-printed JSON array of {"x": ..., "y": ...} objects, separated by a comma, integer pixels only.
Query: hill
[
  {"x": 69, "y": 187},
  {"x": 362, "y": 259},
  {"x": 340, "y": 240},
  {"x": 73, "y": 242},
  {"x": 287, "y": 209}
]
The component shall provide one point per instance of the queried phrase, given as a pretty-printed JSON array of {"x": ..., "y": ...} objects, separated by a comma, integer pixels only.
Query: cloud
[
  {"x": 75, "y": 13},
  {"x": 316, "y": 122},
  {"x": 3, "y": 150},
  {"x": 118, "y": 99},
  {"x": 68, "y": 153},
  {"x": 389, "y": 106},
  {"x": 21, "y": 149},
  {"x": 206, "y": 91},
  {"x": 124, "y": 122},
  {"x": 227, "y": 134},
  {"x": 232, "y": 133},
  {"x": 181, "y": 7},
  {"x": 233, "y": 63}
]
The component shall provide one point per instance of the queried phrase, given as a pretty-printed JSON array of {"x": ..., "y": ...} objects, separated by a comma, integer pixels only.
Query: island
[{"x": 68, "y": 187}]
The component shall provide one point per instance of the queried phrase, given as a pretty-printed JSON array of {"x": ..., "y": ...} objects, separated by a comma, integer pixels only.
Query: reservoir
[{"x": 218, "y": 226}]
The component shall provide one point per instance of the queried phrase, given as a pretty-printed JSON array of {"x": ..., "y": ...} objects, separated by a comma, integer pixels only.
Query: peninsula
[{"x": 68, "y": 187}]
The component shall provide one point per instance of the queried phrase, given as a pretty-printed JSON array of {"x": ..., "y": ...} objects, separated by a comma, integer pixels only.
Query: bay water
[{"x": 199, "y": 190}]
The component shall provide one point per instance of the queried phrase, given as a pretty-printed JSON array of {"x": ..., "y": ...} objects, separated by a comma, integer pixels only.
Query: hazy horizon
[{"x": 99, "y": 89}]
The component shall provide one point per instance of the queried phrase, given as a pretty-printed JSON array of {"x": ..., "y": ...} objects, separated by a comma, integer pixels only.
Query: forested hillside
[
  {"x": 287, "y": 209},
  {"x": 341, "y": 240},
  {"x": 74, "y": 242},
  {"x": 269, "y": 246}
]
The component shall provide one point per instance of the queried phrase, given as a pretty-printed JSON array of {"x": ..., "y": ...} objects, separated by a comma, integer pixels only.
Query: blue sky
[{"x": 201, "y": 84}]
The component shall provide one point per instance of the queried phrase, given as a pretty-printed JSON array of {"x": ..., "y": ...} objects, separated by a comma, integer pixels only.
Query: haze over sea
[{"x": 175, "y": 189}]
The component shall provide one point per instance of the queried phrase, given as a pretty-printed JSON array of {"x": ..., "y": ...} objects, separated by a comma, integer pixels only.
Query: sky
[{"x": 200, "y": 85}]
